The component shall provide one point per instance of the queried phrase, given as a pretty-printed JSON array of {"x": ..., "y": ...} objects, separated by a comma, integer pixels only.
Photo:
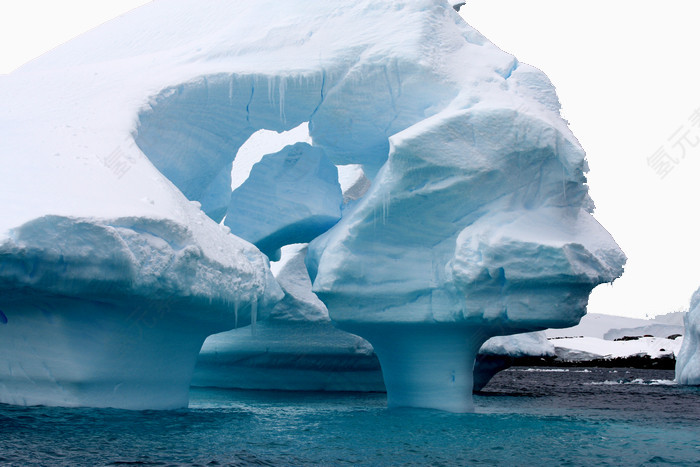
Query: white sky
[
  {"x": 627, "y": 75},
  {"x": 628, "y": 78}
]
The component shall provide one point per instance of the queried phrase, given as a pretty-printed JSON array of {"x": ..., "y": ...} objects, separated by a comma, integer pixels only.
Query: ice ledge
[
  {"x": 513, "y": 308},
  {"x": 113, "y": 313},
  {"x": 139, "y": 257}
]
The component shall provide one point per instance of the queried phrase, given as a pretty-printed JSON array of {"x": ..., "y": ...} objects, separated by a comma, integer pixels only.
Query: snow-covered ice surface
[
  {"x": 688, "y": 359},
  {"x": 477, "y": 221},
  {"x": 611, "y": 327},
  {"x": 112, "y": 312},
  {"x": 531, "y": 344},
  {"x": 591, "y": 348},
  {"x": 595, "y": 337},
  {"x": 498, "y": 353}
]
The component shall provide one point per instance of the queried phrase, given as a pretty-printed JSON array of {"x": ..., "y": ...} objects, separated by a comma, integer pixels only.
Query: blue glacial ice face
[
  {"x": 477, "y": 221},
  {"x": 688, "y": 359}
]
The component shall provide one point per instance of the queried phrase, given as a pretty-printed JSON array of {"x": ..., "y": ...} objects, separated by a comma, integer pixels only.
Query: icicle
[
  {"x": 383, "y": 208},
  {"x": 235, "y": 315},
  {"x": 254, "y": 316},
  {"x": 270, "y": 85},
  {"x": 230, "y": 91},
  {"x": 388, "y": 204},
  {"x": 563, "y": 181},
  {"x": 282, "y": 91},
  {"x": 386, "y": 201}
]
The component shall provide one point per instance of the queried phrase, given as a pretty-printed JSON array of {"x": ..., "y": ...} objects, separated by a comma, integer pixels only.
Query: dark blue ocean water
[{"x": 524, "y": 417}]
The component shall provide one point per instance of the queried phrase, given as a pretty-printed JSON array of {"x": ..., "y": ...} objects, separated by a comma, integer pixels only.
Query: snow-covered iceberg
[
  {"x": 477, "y": 221},
  {"x": 628, "y": 341},
  {"x": 688, "y": 359}
]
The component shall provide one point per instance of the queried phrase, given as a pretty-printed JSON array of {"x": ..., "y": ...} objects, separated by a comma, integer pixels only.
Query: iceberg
[
  {"x": 688, "y": 359},
  {"x": 118, "y": 148},
  {"x": 478, "y": 224},
  {"x": 582, "y": 349}
]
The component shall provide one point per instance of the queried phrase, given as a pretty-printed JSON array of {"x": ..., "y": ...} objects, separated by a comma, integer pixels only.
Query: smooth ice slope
[
  {"x": 656, "y": 330},
  {"x": 477, "y": 221},
  {"x": 596, "y": 325},
  {"x": 688, "y": 359}
]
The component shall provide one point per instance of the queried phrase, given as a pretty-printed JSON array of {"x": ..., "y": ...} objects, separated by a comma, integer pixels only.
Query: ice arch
[
  {"x": 478, "y": 220},
  {"x": 192, "y": 132}
]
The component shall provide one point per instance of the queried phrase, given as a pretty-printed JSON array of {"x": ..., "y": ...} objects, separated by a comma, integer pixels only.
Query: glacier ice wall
[
  {"x": 688, "y": 359},
  {"x": 477, "y": 221}
]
